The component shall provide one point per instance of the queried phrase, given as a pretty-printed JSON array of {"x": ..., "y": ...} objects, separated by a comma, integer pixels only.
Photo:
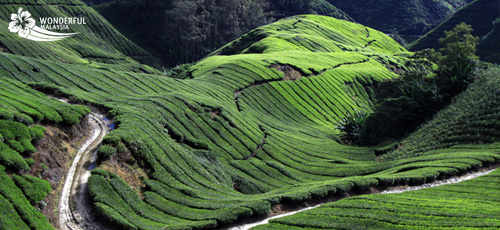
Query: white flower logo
[
  {"x": 21, "y": 23},
  {"x": 25, "y": 27}
]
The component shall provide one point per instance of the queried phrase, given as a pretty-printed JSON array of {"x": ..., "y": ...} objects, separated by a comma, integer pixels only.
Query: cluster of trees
[
  {"x": 408, "y": 101},
  {"x": 195, "y": 27}
]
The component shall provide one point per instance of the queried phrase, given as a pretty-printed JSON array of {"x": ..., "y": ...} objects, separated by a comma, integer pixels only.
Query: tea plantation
[
  {"x": 467, "y": 205},
  {"x": 251, "y": 125}
]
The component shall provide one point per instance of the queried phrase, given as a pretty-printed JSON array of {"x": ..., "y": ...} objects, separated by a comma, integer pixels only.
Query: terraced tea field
[
  {"x": 253, "y": 125},
  {"x": 470, "y": 204}
]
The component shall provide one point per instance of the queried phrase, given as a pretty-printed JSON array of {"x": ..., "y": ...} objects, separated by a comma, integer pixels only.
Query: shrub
[
  {"x": 29, "y": 161},
  {"x": 105, "y": 151},
  {"x": 352, "y": 125},
  {"x": 12, "y": 159},
  {"x": 34, "y": 188},
  {"x": 37, "y": 132}
]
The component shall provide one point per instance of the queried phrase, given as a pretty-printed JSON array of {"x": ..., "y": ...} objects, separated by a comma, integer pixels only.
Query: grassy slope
[
  {"x": 411, "y": 17},
  {"x": 479, "y": 14},
  {"x": 96, "y": 42},
  {"x": 323, "y": 7}
]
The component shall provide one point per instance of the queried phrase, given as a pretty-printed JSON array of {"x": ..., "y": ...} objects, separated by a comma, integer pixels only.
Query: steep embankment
[
  {"x": 410, "y": 17},
  {"x": 480, "y": 14},
  {"x": 22, "y": 112}
]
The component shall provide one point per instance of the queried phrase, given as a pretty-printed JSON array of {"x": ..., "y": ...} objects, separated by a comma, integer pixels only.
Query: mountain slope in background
[
  {"x": 407, "y": 17},
  {"x": 480, "y": 14},
  {"x": 489, "y": 47}
]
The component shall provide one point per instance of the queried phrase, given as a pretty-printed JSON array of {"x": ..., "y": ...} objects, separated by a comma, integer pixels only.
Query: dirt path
[
  {"x": 396, "y": 189},
  {"x": 74, "y": 204}
]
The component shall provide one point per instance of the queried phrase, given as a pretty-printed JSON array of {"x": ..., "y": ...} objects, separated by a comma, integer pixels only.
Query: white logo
[{"x": 25, "y": 27}]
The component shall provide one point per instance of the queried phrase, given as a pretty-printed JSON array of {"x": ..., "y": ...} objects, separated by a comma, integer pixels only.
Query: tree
[
  {"x": 187, "y": 27},
  {"x": 456, "y": 60},
  {"x": 459, "y": 46}
]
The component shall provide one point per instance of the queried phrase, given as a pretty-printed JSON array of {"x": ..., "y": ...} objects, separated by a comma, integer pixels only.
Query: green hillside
[
  {"x": 410, "y": 17},
  {"x": 480, "y": 14},
  {"x": 96, "y": 42},
  {"x": 252, "y": 125}
]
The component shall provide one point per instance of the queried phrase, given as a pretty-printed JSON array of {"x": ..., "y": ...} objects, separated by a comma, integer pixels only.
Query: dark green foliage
[
  {"x": 186, "y": 31},
  {"x": 34, "y": 188},
  {"x": 180, "y": 71},
  {"x": 488, "y": 48},
  {"x": 286, "y": 8},
  {"x": 410, "y": 100},
  {"x": 405, "y": 103},
  {"x": 456, "y": 60},
  {"x": 12, "y": 159},
  {"x": 105, "y": 151},
  {"x": 352, "y": 125},
  {"x": 470, "y": 118}
]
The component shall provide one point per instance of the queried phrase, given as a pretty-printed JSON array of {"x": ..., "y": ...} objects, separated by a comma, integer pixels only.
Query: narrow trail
[
  {"x": 395, "y": 189},
  {"x": 238, "y": 92},
  {"x": 260, "y": 146},
  {"x": 75, "y": 209}
]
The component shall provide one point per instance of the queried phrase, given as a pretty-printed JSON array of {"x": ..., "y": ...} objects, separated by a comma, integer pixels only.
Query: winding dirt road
[{"x": 74, "y": 204}]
